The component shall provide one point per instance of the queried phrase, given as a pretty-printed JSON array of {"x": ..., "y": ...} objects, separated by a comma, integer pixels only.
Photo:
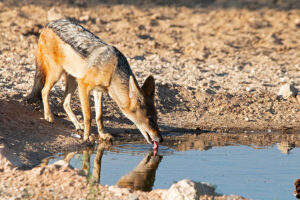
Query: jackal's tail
[{"x": 39, "y": 81}]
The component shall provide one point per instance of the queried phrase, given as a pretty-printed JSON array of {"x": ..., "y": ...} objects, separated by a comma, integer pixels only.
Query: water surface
[{"x": 252, "y": 171}]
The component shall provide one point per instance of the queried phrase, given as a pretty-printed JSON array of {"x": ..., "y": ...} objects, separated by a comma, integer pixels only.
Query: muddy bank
[
  {"x": 32, "y": 139},
  {"x": 29, "y": 137}
]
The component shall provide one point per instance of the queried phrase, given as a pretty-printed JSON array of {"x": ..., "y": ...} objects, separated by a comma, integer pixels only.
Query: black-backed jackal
[{"x": 90, "y": 64}]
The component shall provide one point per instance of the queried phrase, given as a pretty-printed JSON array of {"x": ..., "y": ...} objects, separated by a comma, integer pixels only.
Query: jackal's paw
[
  {"x": 79, "y": 126},
  {"x": 106, "y": 137},
  {"x": 90, "y": 140},
  {"x": 49, "y": 118}
]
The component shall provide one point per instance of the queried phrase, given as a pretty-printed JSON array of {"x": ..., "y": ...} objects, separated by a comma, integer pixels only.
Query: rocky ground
[{"x": 218, "y": 67}]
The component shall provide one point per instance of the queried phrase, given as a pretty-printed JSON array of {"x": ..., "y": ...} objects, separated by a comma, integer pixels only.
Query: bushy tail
[{"x": 39, "y": 81}]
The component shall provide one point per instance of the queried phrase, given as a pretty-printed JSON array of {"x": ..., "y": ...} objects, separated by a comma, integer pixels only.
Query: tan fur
[{"x": 55, "y": 57}]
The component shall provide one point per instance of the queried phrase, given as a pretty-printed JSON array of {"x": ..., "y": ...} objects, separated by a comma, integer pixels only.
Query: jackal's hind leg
[
  {"x": 99, "y": 116},
  {"x": 71, "y": 86},
  {"x": 51, "y": 79}
]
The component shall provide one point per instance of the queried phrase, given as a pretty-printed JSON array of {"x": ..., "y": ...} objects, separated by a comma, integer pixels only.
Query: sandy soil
[{"x": 218, "y": 66}]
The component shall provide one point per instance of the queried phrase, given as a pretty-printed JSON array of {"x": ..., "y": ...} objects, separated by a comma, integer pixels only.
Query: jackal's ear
[
  {"x": 133, "y": 88},
  {"x": 149, "y": 86}
]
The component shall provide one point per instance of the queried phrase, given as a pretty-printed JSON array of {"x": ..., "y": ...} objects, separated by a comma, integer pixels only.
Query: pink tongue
[{"x": 155, "y": 145}]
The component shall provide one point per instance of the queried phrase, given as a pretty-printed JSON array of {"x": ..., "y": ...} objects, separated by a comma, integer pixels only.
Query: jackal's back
[
  {"x": 82, "y": 40},
  {"x": 95, "y": 51}
]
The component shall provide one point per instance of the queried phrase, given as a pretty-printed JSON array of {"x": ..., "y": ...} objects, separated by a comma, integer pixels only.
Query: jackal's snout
[
  {"x": 157, "y": 137},
  {"x": 152, "y": 136}
]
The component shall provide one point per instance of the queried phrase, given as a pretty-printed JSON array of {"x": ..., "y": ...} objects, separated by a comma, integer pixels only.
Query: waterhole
[{"x": 256, "y": 166}]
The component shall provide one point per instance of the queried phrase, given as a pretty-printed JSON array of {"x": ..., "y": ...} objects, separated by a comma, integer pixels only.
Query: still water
[{"x": 252, "y": 172}]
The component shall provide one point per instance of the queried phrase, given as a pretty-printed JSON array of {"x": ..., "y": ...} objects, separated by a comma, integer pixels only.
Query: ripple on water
[{"x": 141, "y": 149}]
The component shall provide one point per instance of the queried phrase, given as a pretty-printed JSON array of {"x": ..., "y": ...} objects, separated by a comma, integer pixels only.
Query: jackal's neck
[
  {"x": 119, "y": 86},
  {"x": 119, "y": 92}
]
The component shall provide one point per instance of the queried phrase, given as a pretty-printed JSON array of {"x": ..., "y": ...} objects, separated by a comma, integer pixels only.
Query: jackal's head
[{"x": 142, "y": 110}]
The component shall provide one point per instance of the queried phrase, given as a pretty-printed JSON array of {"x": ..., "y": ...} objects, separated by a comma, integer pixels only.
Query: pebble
[
  {"x": 287, "y": 91},
  {"x": 119, "y": 191},
  {"x": 75, "y": 135}
]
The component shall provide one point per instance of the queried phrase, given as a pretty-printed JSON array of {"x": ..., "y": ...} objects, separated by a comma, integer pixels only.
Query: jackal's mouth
[
  {"x": 152, "y": 141},
  {"x": 150, "y": 138}
]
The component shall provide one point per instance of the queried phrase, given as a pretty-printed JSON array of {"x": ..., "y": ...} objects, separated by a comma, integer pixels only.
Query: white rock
[
  {"x": 75, "y": 135},
  {"x": 119, "y": 191},
  {"x": 188, "y": 190},
  {"x": 61, "y": 163},
  {"x": 287, "y": 91}
]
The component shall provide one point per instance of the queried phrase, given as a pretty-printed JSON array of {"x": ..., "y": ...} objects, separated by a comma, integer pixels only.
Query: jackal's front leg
[
  {"x": 99, "y": 116},
  {"x": 71, "y": 86},
  {"x": 84, "y": 93}
]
